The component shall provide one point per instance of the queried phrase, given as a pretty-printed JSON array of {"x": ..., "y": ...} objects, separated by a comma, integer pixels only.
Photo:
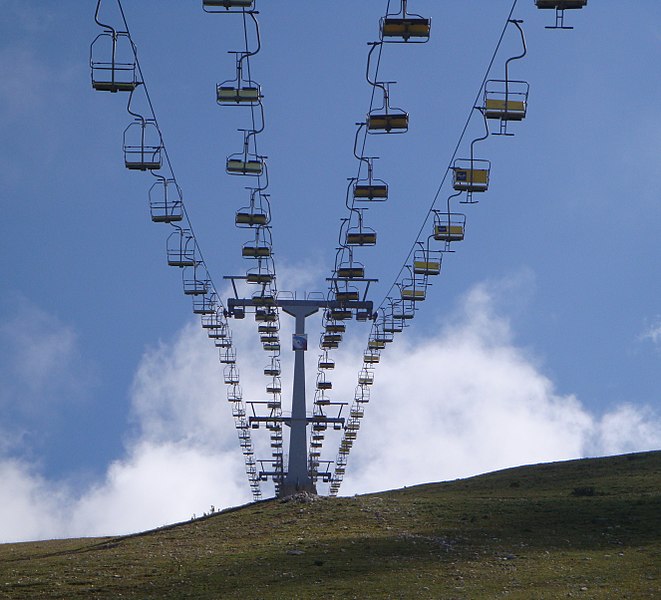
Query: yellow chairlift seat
[
  {"x": 426, "y": 267},
  {"x": 350, "y": 435},
  {"x": 351, "y": 272},
  {"x": 235, "y": 166},
  {"x": 268, "y": 328},
  {"x": 271, "y": 372},
  {"x": 347, "y": 295},
  {"x": 237, "y": 95},
  {"x": 366, "y": 378},
  {"x": 251, "y": 218},
  {"x": 413, "y": 294},
  {"x": 388, "y": 122},
  {"x": 561, "y": 4},
  {"x": 406, "y": 27},
  {"x": 265, "y": 316},
  {"x": 371, "y": 358},
  {"x": 326, "y": 363},
  {"x": 263, "y": 300},
  {"x": 114, "y": 86},
  {"x": 269, "y": 339},
  {"x": 271, "y": 347},
  {"x": 329, "y": 344},
  {"x": 361, "y": 238},
  {"x": 340, "y": 314},
  {"x": 370, "y": 191},
  {"x": 332, "y": 337},
  {"x": 229, "y": 3},
  {"x": 449, "y": 233},
  {"x": 336, "y": 328},
  {"x": 470, "y": 180},
  {"x": 255, "y": 251},
  {"x": 507, "y": 110},
  {"x": 357, "y": 413},
  {"x": 261, "y": 278},
  {"x": 324, "y": 385},
  {"x": 376, "y": 344}
]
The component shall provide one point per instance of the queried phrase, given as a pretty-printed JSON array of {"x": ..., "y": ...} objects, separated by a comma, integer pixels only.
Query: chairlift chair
[
  {"x": 273, "y": 368},
  {"x": 560, "y": 6},
  {"x": 427, "y": 262},
  {"x": 471, "y": 175},
  {"x": 251, "y": 216},
  {"x": 206, "y": 304},
  {"x": 194, "y": 285},
  {"x": 402, "y": 27},
  {"x": 142, "y": 146},
  {"x": 360, "y": 235},
  {"x": 215, "y": 6},
  {"x": 227, "y": 356},
  {"x": 238, "y": 91},
  {"x": 180, "y": 248},
  {"x": 387, "y": 119},
  {"x": 413, "y": 290},
  {"x": 112, "y": 61},
  {"x": 403, "y": 309},
  {"x": 505, "y": 100},
  {"x": 370, "y": 189},
  {"x": 325, "y": 362},
  {"x": 449, "y": 227},
  {"x": 371, "y": 357},
  {"x": 165, "y": 205}
]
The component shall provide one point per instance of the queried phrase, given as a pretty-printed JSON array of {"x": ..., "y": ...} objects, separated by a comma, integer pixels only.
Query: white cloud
[
  {"x": 653, "y": 332},
  {"x": 462, "y": 401}
]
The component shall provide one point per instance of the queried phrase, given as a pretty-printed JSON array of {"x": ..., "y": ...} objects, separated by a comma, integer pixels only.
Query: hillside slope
[{"x": 586, "y": 529}]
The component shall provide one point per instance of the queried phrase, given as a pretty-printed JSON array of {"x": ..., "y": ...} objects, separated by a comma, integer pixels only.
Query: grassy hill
[{"x": 579, "y": 529}]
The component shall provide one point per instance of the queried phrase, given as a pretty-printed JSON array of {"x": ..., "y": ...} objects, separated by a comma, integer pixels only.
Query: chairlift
[
  {"x": 142, "y": 146},
  {"x": 165, "y": 205},
  {"x": 231, "y": 375},
  {"x": 504, "y": 99},
  {"x": 449, "y": 227},
  {"x": 263, "y": 298},
  {"x": 274, "y": 387},
  {"x": 370, "y": 189},
  {"x": 266, "y": 315},
  {"x": 371, "y": 357},
  {"x": 181, "y": 249},
  {"x": 206, "y": 304},
  {"x": 560, "y": 6},
  {"x": 340, "y": 314},
  {"x": 273, "y": 368},
  {"x": 413, "y": 290},
  {"x": 403, "y": 309},
  {"x": 245, "y": 162},
  {"x": 350, "y": 270},
  {"x": 471, "y": 175},
  {"x": 404, "y": 27},
  {"x": 268, "y": 328},
  {"x": 366, "y": 377},
  {"x": 347, "y": 294},
  {"x": 333, "y": 327},
  {"x": 271, "y": 347},
  {"x": 251, "y": 216},
  {"x": 322, "y": 383},
  {"x": 259, "y": 276},
  {"x": 360, "y": 235},
  {"x": 195, "y": 285},
  {"x": 210, "y": 6},
  {"x": 112, "y": 61},
  {"x": 227, "y": 356},
  {"x": 238, "y": 91},
  {"x": 325, "y": 362},
  {"x": 256, "y": 249},
  {"x": 387, "y": 119},
  {"x": 427, "y": 262}
]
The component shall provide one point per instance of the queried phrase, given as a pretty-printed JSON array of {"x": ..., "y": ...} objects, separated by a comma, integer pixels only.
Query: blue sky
[{"x": 541, "y": 340}]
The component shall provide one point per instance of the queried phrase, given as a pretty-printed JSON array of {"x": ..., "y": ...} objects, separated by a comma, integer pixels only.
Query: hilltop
[{"x": 586, "y": 529}]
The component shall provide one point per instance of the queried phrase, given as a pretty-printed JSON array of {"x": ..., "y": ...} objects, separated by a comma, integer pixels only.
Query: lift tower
[{"x": 297, "y": 477}]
